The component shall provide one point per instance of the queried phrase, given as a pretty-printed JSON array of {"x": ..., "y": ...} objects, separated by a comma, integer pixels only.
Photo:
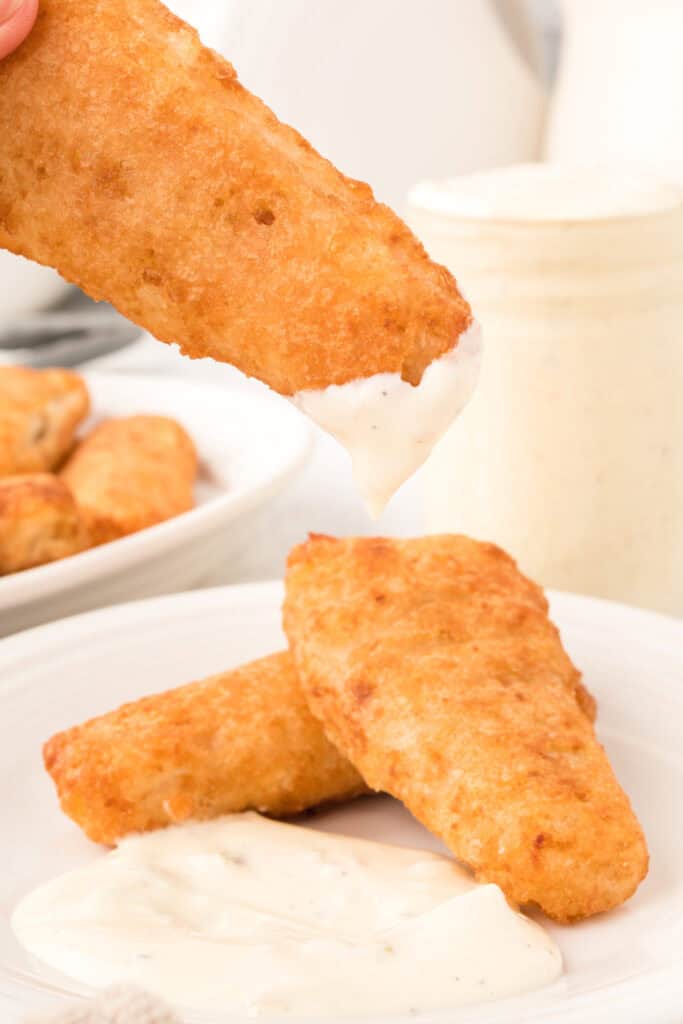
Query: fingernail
[{"x": 8, "y": 8}]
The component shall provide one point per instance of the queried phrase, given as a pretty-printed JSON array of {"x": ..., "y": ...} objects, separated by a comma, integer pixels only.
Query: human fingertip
[
  {"x": 16, "y": 21},
  {"x": 8, "y": 9}
]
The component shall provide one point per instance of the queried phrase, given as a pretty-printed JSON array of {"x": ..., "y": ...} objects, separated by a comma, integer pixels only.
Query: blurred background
[{"x": 589, "y": 497}]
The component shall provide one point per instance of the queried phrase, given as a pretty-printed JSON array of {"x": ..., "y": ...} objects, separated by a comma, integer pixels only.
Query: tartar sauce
[
  {"x": 388, "y": 426},
  {"x": 248, "y": 915}
]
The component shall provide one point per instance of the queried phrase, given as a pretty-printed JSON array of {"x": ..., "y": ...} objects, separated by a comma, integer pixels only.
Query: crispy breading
[
  {"x": 243, "y": 739},
  {"x": 39, "y": 413},
  {"x": 435, "y": 669},
  {"x": 134, "y": 162},
  {"x": 131, "y": 473},
  {"x": 39, "y": 522}
]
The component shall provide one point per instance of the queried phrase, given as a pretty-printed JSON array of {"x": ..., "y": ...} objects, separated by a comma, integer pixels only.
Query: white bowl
[
  {"x": 26, "y": 286},
  {"x": 250, "y": 446}
]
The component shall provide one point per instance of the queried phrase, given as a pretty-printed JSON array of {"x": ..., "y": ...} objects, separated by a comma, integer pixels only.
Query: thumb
[
  {"x": 8, "y": 8},
  {"x": 16, "y": 21}
]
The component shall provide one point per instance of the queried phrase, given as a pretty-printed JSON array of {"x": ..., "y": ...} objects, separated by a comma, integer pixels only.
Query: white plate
[
  {"x": 625, "y": 966},
  {"x": 250, "y": 445}
]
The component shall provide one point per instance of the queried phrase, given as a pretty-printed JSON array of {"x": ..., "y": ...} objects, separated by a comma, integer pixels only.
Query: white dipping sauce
[
  {"x": 389, "y": 426},
  {"x": 570, "y": 455},
  {"x": 542, "y": 192},
  {"x": 245, "y": 914}
]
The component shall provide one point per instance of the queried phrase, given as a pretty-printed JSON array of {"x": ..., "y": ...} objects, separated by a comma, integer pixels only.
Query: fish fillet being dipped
[
  {"x": 433, "y": 666},
  {"x": 241, "y": 740},
  {"x": 132, "y": 473},
  {"x": 39, "y": 413},
  {"x": 134, "y": 162},
  {"x": 39, "y": 522}
]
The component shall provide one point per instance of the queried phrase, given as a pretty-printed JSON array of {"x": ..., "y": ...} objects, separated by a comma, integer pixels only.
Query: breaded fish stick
[
  {"x": 39, "y": 412},
  {"x": 434, "y": 668},
  {"x": 243, "y": 739},
  {"x": 39, "y": 522},
  {"x": 134, "y": 162},
  {"x": 132, "y": 473}
]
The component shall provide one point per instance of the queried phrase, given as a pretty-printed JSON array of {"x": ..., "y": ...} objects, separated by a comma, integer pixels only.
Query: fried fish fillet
[
  {"x": 132, "y": 473},
  {"x": 39, "y": 522},
  {"x": 243, "y": 739},
  {"x": 134, "y": 162},
  {"x": 39, "y": 412},
  {"x": 433, "y": 666}
]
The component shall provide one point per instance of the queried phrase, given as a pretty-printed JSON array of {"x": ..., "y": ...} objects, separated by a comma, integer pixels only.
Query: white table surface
[{"x": 323, "y": 499}]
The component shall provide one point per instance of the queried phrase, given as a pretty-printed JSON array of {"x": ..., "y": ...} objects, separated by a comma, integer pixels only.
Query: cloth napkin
[{"x": 114, "y": 1006}]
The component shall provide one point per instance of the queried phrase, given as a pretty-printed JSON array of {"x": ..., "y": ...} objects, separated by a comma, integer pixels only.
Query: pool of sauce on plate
[{"x": 248, "y": 915}]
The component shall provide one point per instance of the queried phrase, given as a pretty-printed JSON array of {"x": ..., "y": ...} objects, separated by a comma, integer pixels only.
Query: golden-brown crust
[
  {"x": 39, "y": 522},
  {"x": 39, "y": 413},
  {"x": 131, "y": 473},
  {"x": 134, "y": 161},
  {"x": 241, "y": 740},
  {"x": 434, "y": 668}
]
